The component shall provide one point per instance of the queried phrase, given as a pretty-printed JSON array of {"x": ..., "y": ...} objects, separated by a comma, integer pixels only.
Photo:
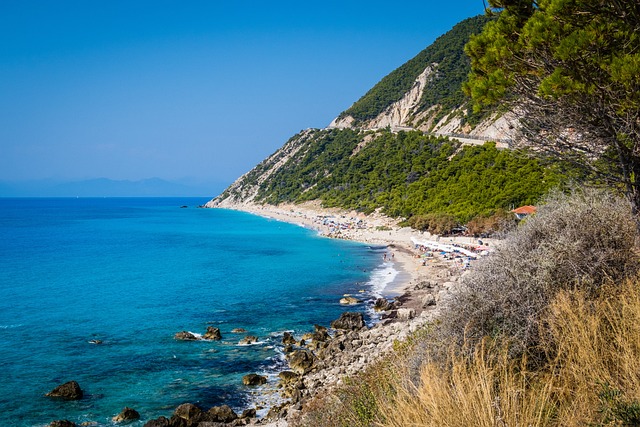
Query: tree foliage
[
  {"x": 450, "y": 67},
  {"x": 571, "y": 71},
  {"x": 408, "y": 174}
]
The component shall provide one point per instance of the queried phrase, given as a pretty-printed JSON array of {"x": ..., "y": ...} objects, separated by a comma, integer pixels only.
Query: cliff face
[{"x": 424, "y": 94}]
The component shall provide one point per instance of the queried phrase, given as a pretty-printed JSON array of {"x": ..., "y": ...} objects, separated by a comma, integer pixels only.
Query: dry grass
[
  {"x": 593, "y": 378},
  {"x": 557, "y": 293}
]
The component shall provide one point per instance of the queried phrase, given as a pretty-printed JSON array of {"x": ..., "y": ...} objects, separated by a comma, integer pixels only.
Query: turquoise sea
[{"x": 131, "y": 273}]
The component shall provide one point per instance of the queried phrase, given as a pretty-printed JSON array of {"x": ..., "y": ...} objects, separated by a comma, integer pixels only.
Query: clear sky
[{"x": 199, "y": 90}]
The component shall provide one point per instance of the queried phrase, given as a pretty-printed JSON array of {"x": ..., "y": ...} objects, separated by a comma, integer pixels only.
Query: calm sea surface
[{"x": 133, "y": 272}]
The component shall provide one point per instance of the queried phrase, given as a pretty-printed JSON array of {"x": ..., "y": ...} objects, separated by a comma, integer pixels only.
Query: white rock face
[{"x": 397, "y": 115}]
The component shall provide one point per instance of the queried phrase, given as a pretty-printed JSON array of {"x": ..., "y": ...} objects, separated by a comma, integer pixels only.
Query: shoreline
[{"x": 413, "y": 297}]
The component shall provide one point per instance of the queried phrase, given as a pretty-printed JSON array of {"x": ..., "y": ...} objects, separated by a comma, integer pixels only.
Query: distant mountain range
[{"x": 103, "y": 187}]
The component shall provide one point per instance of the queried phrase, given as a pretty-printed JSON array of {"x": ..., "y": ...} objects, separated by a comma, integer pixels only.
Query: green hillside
[
  {"x": 407, "y": 174},
  {"x": 444, "y": 89}
]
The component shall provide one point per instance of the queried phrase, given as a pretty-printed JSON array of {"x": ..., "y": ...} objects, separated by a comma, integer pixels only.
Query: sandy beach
[{"x": 426, "y": 277}]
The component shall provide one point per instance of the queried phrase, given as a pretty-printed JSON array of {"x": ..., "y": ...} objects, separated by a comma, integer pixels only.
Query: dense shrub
[{"x": 582, "y": 240}]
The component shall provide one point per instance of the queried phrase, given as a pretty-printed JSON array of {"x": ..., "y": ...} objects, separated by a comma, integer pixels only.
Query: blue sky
[{"x": 198, "y": 91}]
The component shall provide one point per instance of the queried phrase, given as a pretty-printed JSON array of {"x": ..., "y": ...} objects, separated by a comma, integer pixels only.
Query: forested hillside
[
  {"x": 450, "y": 67},
  {"x": 404, "y": 174},
  {"x": 433, "y": 182}
]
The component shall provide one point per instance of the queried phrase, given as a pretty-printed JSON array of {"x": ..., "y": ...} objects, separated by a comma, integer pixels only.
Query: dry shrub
[
  {"x": 580, "y": 240},
  {"x": 356, "y": 403},
  {"x": 597, "y": 348},
  {"x": 501, "y": 221},
  {"x": 487, "y": 390},
  {"x": 593, "y": 378}
]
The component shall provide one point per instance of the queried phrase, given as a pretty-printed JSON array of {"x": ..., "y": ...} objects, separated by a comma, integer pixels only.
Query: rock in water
[
  {"x": 212, "y": 333},
  {"x": 288, "y": 339},
  {"x": 349, "y": 301},
  {"x": 158, "y": 422},
  {"x": 127, "y": 414},
  {"x": 381, "y": 304},
  {"x": 222, "y": 414},
  {"x": 249, "y": 339},
  {"x": 349, "y": 320},
  {"x": 185, "y": 336},
  {"x": 62, "y": 423},
  {"x": 253, "y": 379},
  {"x": 68, "y": 391},
  {"x": 187, "y": 411}
]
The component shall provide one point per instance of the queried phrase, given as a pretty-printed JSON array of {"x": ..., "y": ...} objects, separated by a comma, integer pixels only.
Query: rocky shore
[{"x": 321, "y": 359}]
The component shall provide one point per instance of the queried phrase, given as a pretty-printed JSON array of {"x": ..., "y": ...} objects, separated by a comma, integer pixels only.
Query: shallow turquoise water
[{"x": 132, "y": 273}]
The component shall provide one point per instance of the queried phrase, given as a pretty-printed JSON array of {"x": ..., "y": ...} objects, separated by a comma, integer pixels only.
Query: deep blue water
[{"x": 132, "y": 273}]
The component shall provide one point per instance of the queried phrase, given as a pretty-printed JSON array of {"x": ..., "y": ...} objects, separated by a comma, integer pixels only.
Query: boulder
[
  {"x": 249, "y": 339},
  {"x": 288, "y": 377},
  {"x": 248, "y": 413},
  {"x": 320, "y": 334},
  {"x": 381, "y": 304},
  {"x": 253, "y": 379},
  {"x": 185, "y": 336},
  {"x": 238, "y": 331},
  {"x": 406, "y": 313},
  {"x": 288, "y": 339},
  {"x": 127, "y": 414},
  {"x": 212, "y": 333},
  {"x": 62, "y": 423},
  {"x": 301, "y": 361},
  {"x": 69, "y": 391},
  {"x": 188, "y": 411},
  {"x": 349, "y": 300},
  {"x": 158, "y": 422},
  {"x": 349, "y": 321},
  {"x": 428, "y": 300},
  {"x": 222, "y": 414}
]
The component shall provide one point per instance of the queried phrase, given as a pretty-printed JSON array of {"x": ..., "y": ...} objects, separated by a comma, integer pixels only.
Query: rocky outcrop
[
  {"x": 301, "y": 361},
  {"x": 249, "y": 339},
  {"x": 127, "y": 414},
  {"x": 190, "y": 415},
  {"x": 67, "y": 391},
  {"x": 222, "y": 414},
  {"x": 349, "y": 320},
  {"x": 62, "y": 423},
  {"x": 185, "y": 336},
  {"x": 349, "y": 300},
  {"x": 253, "y": 379},
  {"x": 213, "y": 334}
]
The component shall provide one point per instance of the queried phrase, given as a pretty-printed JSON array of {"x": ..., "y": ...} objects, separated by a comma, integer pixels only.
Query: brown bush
[{"x": 582, "y": 240}]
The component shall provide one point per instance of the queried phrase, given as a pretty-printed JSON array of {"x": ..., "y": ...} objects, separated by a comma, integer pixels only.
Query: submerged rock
[
  {"x": 254, "y": 379},
  {"x": 127, "y": 414},
  {"x": 68, "y": 391},
  {"x": 349, "y": 321},
  {"x": 238, "y": 331}
]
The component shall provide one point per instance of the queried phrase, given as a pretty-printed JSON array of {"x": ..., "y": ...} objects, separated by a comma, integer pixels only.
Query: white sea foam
[
  {"x": 11, "y": 326},
  {"x": 381, "y": 277}
]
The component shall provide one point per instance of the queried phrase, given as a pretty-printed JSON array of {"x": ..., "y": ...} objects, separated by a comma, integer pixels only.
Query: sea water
[{"x": 94, "y": 290}]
